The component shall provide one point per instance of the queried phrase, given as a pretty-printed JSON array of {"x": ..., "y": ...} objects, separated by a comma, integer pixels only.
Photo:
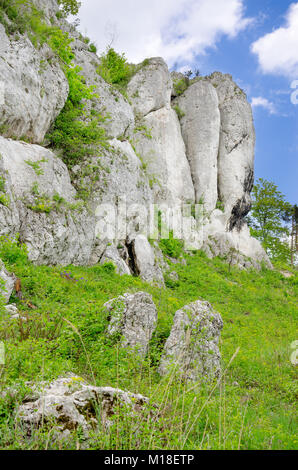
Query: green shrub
[
  {"x": 12, "y": 251},
  {"x": 171, "y": 246},
  {"x": 180, "y": 86},
  {"x": 93, "y": 48},
  {"x": 114, "y": 67}
]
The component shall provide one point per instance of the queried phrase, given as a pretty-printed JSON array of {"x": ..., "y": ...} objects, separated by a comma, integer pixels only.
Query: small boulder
[
  {"x": 70, "y": 403},
  {"x": 192, "y": 347},
  {"x": 111, "y": 255},
  {"x": 134, "y": 316},
  {"x": 144, "y": 261}
]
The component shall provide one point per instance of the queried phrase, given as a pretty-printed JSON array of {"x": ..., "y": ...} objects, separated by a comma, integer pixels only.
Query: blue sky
[{"x": 255, "y": 41}]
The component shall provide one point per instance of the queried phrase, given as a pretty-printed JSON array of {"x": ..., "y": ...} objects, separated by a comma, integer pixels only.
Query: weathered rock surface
[
  {"x": 236, "y": 148},
  {"x": 200, "y": 129},
  {"x": 7, "y": 282},
  {"x": 134, "y": 317},
  {"x": 112, "y": 255},
  {"x": 151, "y": 87},
  {"x": 145, "y": 263},
  {"x": 165, "y": 158},
  {"x": 35, "y": 88},
  {"x": 238, "y": 247},
  {"x": 36, "y": 180},
  {"x": 192, "y": 347},
  {"x": 70, "y": 403}
]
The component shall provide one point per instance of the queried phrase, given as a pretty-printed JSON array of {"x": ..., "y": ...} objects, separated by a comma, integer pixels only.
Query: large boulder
[
  {"x": 111, "y": 255},
  {"x": 134, "y": 318},
  {"x": 69, "y": 403},
  {"x": 7, "y": 282},
  {"x": 192, "y": 347},
  {"x": 200, "y": 124},
  {"x": 144, "y": 260},
  {"x": 236, "y": 149},
  {"x": 151, "y": 87},
  {"x": 34, "y": 86}
]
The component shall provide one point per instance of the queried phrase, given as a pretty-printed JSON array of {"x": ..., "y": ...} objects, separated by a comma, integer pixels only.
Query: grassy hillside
[{"x": 253, "y": 407}]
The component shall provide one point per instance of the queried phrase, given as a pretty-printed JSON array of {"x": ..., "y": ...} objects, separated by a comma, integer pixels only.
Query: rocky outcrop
[
  {"x": 69, "y": 403},
  {"x": 134, "y": 318},
  {"x": 205, "y": 155},
  {"x": 163, "y": 154},
  {"x": 151, "y": 87},
  {"x": 192, "y": 347},
  {"x": 7, "y": 282},
  {"x": 42, "y": 206},
  {"x": 236, "y": 149},
  {"x": 200, "y": 124},
  {"x": 35, "y": 88}
]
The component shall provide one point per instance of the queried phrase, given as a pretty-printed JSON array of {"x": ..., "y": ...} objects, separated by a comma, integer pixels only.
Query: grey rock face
[
  {"x": 238, "y": 247},
  {"x": 200, "y": 130},
  {"x": 35, "y": 89},
  {"x": 192, "y": 347},
  {"x": 151, "y": 87},
  {"x": 71, "y": 403},
  {"x": 134, "y": 317},
  {"x": 34, "y": 179},
  {"x": 145, "y": 263},
  {"x": 164, "y": 155},
  {"x": 7, "y": 282},
  {"x": 236, "y": 148}
]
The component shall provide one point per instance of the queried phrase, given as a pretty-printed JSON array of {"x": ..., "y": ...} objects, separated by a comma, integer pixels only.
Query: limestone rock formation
[
  {"x": 200, "y": 124},
  {"x": 153, "y": 157},
  {"x": 151, "y": 87},
  {"x": 42, "y": 205},
  {"x": 34, "y": 86},
  {"x": 7, "y": 282},
  {"x": 69, "y": 403},
  {"x": 134, "y": 317},
  {"x": 236, "y": 148},
  {"x": 192, "y": 347}
]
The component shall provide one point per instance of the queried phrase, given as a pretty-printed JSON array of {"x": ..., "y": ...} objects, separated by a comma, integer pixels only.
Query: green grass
[{"x": 259, "y": 310}]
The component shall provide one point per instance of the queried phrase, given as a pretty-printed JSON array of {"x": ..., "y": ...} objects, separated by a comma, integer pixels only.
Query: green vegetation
[
  {"x": 171, "y": 246},
  {"x": 115, "y": 69},
  {"x": 4, "y": 199},
  {"x": 220, "y": 205},
  {"x": 70, "y": 7},
  {"x": 180, "y": 86},
  {"x": 253, "y": 407},
  {"x": 179, "y": 112},
  {"x": 268, "y": 218}
]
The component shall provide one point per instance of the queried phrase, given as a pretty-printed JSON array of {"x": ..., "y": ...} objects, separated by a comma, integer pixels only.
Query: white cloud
[
  {"x": 263, "y": 103},
  {"x": 177, "y": 30},
  {"x": 278, "y": 51}
]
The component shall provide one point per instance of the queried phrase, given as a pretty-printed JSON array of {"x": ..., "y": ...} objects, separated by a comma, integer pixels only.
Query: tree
[
  {"x": 70, "y": 7},
  {"x": 268, "y": 219}
]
